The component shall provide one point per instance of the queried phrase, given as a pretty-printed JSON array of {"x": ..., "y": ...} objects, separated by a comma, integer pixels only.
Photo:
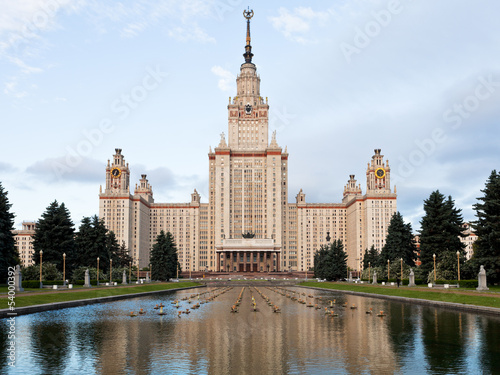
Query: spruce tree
[
  {"x": 487, "y": 227},
  {"x": 330, "y": 261},
  {"x": 163, "y": 258},
  {"x": 371, "y": 258},
  {"x": 8, "y": 253},
  {"x": 93, "y": 240},
  {"x": 124, "y": 259},
  {"x": 54, "y": 234},
  {"x": 441, "y": 227},
  {"x": 399, "y": 242}
]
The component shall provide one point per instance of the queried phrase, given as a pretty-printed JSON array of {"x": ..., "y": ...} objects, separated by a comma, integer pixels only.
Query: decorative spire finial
[{"x": 248, "y": 14}]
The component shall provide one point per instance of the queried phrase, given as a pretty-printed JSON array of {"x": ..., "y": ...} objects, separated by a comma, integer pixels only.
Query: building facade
[
  {"x": 248, "y": 224},
  {"x": 24, "y": 242}
]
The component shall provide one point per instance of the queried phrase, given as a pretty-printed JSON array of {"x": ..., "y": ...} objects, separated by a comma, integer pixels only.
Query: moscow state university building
[{"x": 248, "y": 223}]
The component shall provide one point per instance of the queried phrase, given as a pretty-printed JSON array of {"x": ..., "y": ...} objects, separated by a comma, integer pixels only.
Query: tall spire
[{"x": 248, "y": 48}]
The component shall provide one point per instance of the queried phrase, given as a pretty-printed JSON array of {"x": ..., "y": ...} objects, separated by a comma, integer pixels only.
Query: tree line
[
  {"x": 63, "y": 248},
  {"x": 442, "y": 226}
]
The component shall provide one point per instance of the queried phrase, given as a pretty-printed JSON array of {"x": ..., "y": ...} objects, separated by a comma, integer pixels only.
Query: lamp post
[
  {"x": 434, "y": 256},
  {"x": 458, "y": 261},
  {"x": 41, "y": 253},
  {"x": 401, "y": 269},
  {"x": 110, "y": 271},
  {"x": 97, "y": 270},
  {"x": 64, "y": 268},
  {"x": 388, "y": 272}
]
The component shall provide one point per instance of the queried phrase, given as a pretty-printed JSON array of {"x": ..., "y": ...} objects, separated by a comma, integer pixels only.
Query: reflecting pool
[{"x": 105, "y": 339}]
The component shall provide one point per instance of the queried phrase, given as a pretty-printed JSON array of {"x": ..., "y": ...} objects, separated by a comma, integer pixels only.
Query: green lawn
[
  {"x": 455, "y": 296},
  {"x": 42, "y": 297}
]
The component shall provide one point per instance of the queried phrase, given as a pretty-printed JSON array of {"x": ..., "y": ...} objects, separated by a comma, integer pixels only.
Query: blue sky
[{"x": 418, "y": 79}]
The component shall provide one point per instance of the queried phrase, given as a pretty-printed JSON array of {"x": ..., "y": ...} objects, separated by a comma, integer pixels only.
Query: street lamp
[
  {"x": 64, "y": 268},
  {"x": 41, "y": 253},
  {"x": 388, "y": 273},
  {"x": 434, "y": 256},
  {"x": 401, "y": 269},
  {"x": 97, "y": 270},
  {"x": 458, "y": 261},
  {"x": 110, "y": 271}
]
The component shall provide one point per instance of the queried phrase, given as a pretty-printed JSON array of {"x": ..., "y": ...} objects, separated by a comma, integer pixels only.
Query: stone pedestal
[
  {"x": 412, "y": 278},
  {"x": 124, "y": 277},
  {"x": 350, "y": 277},
  {"x": 18, "y": 280},
  {"x": 481, "y": 279},
  {"x": 87, "y": 279},
  {"x": 374, "y": 277}
]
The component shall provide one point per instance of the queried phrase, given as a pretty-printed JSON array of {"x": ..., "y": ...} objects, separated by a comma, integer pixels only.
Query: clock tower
[{"x": 117, "y": 175}]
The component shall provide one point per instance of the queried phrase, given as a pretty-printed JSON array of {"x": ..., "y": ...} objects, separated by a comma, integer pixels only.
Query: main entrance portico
[{"x": 248, "y": 255}]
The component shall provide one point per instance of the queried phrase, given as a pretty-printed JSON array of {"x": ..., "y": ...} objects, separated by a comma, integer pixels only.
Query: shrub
[
  {"x": 31, "y": 283},
  {"x": 468, "y": 283},
  {"x": 49, "y": 272}
]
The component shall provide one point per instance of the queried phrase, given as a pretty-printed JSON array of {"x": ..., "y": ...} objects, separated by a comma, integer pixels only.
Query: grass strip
[
  {"x": 43, "y": 298},
  {"x": 419, "y": 293}
]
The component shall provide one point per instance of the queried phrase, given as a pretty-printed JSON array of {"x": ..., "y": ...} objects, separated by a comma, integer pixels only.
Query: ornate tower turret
[
  {"x": 378, "y": 175},
  {"x": 117, "y": 175}
]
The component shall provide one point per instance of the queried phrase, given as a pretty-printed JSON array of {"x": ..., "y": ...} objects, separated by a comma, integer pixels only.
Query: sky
[{"x": 418, "y": 79}]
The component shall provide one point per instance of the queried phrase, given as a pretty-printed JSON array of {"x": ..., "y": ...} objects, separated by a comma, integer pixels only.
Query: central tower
[
  {"x": 247, "y": 112},
  {"x": 248, "y": 180}
]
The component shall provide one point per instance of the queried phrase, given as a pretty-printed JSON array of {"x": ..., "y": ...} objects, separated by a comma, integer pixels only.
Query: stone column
[
  {"x": 277, "y": 262},
  {"x": 87, "y": 279},
  {"x": 18, "y": 280},
  {"x": 124, "y": 277},
  {"x": 481, "y": 280},
  {"x": 147, "y": 277},
  {"x": 374, "y": 277},
  {"x": 412, "y": 278},
  {"x": 245, "y": 261},
  {"x": 350, "y": 276}
]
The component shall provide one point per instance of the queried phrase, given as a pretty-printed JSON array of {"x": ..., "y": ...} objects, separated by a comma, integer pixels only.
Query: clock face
[
  {"x": 380, "y": 172},
  {"x": 116, "y": 172},
  {"x": 248, "y": 109}
]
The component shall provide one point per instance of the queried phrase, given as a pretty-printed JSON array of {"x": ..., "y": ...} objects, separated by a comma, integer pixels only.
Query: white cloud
[
  {"x": 226, "y": 78},
  {"x": 193, "y": 32},
  {"x": 294, "y": 25}
]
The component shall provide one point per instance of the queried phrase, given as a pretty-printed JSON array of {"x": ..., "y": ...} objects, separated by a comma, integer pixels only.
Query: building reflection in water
[{"x": 104, "y": 339}]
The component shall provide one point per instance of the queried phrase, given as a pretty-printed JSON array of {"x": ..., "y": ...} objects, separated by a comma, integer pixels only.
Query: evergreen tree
[
  {"x": 441, "y": 228},
  {"x": 330, "y": 261},
  {"x": 54, "y": 234},
  {"x": 399, "y": 242},
  {"x": 93, "y": 240},
  {"x": 371, "y": 256},
  {"x": 124, "y": 259},
  {"x": 487, "y": 227},
  {"x": 113, "y": 248},
  {"x": 91, "y": 243},
  {"x": 8, "y": 253},
  {"x": 163, "y": 258}
]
